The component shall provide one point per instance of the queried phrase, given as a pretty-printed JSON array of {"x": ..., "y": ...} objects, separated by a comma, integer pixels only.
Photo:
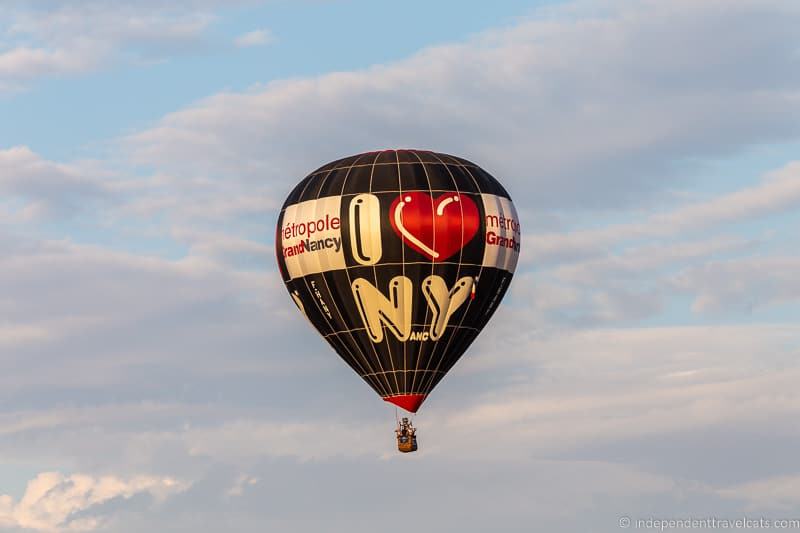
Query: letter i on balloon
[{"x": 365, "y": 229}]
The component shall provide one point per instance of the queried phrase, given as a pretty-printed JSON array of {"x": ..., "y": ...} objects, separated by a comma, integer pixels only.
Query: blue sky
[
  {"x": 156, "y": 376},
  {"x": 306, "y": 39}
]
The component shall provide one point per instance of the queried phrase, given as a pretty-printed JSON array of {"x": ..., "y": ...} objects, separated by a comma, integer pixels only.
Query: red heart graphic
[{"x": 436, "y": 228}]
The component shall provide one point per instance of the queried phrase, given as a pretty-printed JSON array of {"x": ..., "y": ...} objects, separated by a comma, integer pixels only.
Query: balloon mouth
[{"x": 409, "y": 402}]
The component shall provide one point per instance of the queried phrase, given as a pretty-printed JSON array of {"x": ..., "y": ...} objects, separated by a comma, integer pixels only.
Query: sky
[{"x": 644, "y": 364}]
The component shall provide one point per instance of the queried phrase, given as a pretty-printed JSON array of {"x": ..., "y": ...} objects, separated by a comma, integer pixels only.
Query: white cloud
[
  {"x": 246, "y": 440},
  {"x": 55, "y": 502},
  {"x": 572, "y": 392},
  {"x": 778, "y": 492},
  {"x": 741, "y": 285},
  {"x": 211, "y": 217},
  {"x": 642, "y": 262},
  {"x": 46, "y": 188},
  {"x": 65, "y": 308},
  {"x": 222, "y": 246},
  {"x": 15, "y": 334},
  {"x": 778, "y": 192},
  {"x": 568, "y": 112},
  {"x": 77, "y": 37},
  {"x": 254, "y": 38},
  {"x": 25, "y": 62},
  {"x": 242, "y": 483}
]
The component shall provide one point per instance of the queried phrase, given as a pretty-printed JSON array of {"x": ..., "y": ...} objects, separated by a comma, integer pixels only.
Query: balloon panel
[{"x": 398, "y": 258}]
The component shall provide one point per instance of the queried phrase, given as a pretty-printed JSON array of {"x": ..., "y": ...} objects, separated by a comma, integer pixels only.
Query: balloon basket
[{"x": 407, "y": 444}]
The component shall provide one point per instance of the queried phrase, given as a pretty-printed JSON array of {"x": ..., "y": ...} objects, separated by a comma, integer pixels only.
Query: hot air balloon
[{"x": 398, "y": 258}]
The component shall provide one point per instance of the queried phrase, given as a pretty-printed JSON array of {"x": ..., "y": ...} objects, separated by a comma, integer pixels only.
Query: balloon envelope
[{"x": 398, "y": 258}]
